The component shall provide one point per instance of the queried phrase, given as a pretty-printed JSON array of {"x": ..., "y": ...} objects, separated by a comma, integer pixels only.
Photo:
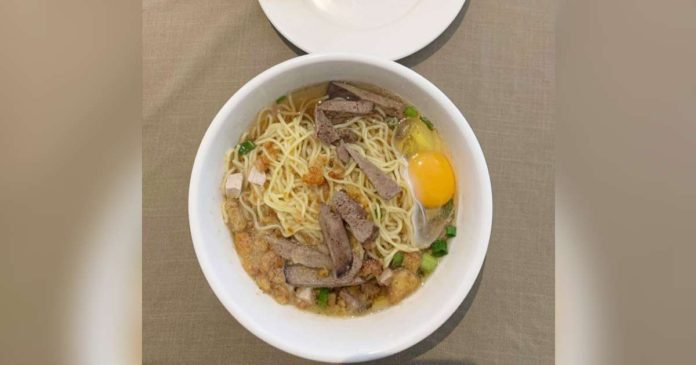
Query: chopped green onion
[
  {"x": 427, "y": 122},
  {"x": 450, "y": 231},
  {"x": 410, "y": 112},
  {"x": 439, "y": 248},
  {"x": 428, "y": 263},
  {"x": 377, "y": 215},
  {"x": 246, "y": 147},
  {"x": 397, "y": 260},
  {"x": 392, "y": 121},
  {"x": 281, "y": 99},
  {"x": 323, "y": 297}
]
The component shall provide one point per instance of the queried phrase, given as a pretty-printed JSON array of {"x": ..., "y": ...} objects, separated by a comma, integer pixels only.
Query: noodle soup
[{"x": 340, "y": 198}]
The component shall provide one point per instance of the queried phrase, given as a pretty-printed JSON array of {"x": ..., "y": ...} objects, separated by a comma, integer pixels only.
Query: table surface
[{"x": 496, "y": 63}]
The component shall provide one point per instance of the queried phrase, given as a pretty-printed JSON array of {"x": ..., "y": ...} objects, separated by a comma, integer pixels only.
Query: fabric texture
[{"x": 496, "y": 63}]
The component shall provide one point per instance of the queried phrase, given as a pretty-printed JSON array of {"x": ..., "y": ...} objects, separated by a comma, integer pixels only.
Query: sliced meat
[
  {"x": 233, "y": 185},
  {"x": 342, "y": 153},
  {"x": 335, "y": 91},
  {"x": 385, "y": 277},
  {"x": 393, "y": 107},
  {"x": 305, "y": 276},
  {"x": 336, "y": 240},
  {"x": 362, "y": 228},
  {"x": 256, "y": 177},
  {"x": 355, "y": 304},
  {"x": 325, "y": 130},
  {"x": 299, "y": 275},
  {"x": 300, "y": 254},
  {"x": 339, "y": 117},
  {"x": 339, "y": 105},
  {"x": 344, "y": 135},
  {"x": 386, "y": 187},
  {"x": 348, "y": 136},
  {"x": 306, "y": 294},
  {"x": 323, "y": 249}
]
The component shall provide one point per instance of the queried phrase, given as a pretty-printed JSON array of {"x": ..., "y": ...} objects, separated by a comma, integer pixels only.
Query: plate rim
[{"x": 393, "y": 56}]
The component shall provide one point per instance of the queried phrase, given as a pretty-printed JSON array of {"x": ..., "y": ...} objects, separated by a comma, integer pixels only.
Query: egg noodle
[{"x": 286, "y": 144}]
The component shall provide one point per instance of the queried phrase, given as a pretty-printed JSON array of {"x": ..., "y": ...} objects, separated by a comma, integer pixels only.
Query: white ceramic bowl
[{"x": 310, "y": 335}]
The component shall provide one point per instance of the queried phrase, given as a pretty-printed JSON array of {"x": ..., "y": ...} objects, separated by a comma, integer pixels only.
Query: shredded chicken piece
[
  {"x": 233, "y": 185},
  {"x": 385, "y": 277},
  {"x": 306, "y": 294},
  {"x": 403, "y": 283},
  {"x": 256, "y": 176}
]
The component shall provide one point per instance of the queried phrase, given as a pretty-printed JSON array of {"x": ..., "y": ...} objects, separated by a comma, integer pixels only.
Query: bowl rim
[{"x": 446, "y": 310}]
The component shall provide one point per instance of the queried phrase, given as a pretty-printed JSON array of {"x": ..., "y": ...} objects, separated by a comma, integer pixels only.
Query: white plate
[{"x": 391, "y": 29}]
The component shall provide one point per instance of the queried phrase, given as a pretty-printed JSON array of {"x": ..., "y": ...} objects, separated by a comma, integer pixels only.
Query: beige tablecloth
[{"x": 496, "y": 63}]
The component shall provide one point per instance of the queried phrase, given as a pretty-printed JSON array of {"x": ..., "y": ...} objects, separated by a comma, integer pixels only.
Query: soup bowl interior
[{"x": 314, "y": 336}]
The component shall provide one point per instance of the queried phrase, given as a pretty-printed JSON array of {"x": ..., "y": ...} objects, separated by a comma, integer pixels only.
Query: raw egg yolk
[{"x": 432, "y": 178}]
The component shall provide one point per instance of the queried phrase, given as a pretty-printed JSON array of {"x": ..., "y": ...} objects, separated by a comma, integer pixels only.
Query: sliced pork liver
[
  {"x": 299, "y": 275},
  {"x": 386, "y": 187},
  {"x": 342, "y": 153},
  {"x": 325, "y": 130},
  {"x": 348, "y": 136},
  {"x": 335, "y": 91},
  {"x": 362, "y": 228},
  {"x": 340, "y": 110},
  {"x": 336, "y": 240},
  {"x": 393, "y": 107},
  {"x": 300, "y": 254},
  {"x": 339, "y": 105}
]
